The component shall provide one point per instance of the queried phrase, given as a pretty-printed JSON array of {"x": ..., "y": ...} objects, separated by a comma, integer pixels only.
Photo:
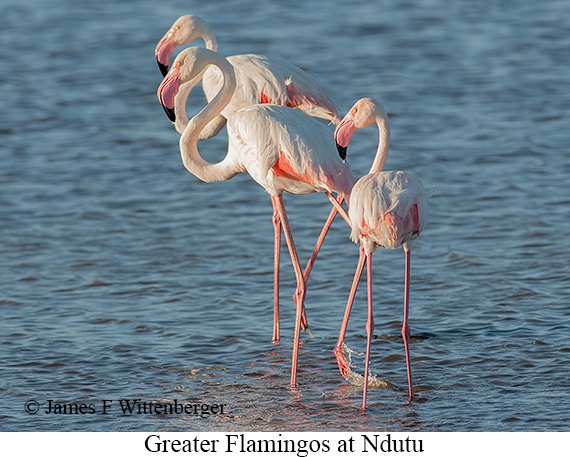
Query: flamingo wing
[
  {"x": 285, "y": 150},
  {"x": 271, "y": 81}
]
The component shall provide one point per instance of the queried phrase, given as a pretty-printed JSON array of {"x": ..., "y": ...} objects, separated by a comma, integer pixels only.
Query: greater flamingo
[
  {"x": 181, "y": 121},
  {"x": 258, "y": 78},
  {"x": 281, "y": 148},
  {"x": 386, "y": 208}
]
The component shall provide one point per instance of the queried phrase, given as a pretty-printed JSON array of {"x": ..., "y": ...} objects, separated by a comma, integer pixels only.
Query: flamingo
[
  {"x": 181, "y": 121},
  {"x": 386, "y": 208},
  {"x": 281, "y": 148},
  {"x": 259, "y": 79}
]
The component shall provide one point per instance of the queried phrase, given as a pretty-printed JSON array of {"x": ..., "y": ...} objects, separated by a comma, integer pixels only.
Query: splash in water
[{"x": 357, "y": 380}]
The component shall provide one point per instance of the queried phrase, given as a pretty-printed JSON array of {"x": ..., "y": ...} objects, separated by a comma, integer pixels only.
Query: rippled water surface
[{"x": 124, "y": 277}]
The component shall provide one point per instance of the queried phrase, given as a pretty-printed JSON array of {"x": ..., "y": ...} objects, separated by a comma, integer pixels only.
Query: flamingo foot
[{"x": 343, "y": 365}]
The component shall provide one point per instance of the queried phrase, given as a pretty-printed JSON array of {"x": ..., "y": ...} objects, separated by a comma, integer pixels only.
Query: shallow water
[{"x": 124, "y": 277}]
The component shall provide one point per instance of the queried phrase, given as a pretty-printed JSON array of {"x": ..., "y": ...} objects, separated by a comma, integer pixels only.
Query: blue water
[{"x": 122, "y": 276}]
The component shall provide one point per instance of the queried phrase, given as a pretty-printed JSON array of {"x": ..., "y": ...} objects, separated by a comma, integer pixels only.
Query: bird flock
[{"x": 270, "y": 109}]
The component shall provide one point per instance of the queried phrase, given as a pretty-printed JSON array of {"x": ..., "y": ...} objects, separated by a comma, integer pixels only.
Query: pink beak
[
  {"x": 343, "y": 133},
  {"x": 163, "y": 51},
  {"x": 167, "y": 91}
]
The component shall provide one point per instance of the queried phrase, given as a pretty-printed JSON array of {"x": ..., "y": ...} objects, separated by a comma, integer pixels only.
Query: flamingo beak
[
  {"x": 164, "y": 50},
  {"x": 163, "y": 68},
  {"x": 343, "y": 133},
  {"x": 170, "y": 113},
  {"x": 168, "y": 89},
  {"x": 341, "y": 151}
]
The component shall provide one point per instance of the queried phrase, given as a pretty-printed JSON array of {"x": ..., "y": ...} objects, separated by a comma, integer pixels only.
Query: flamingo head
[
  {"x": 188, "y": 65},
  {"x": 168, "y": 89},
  {"x": 185, "y": 29},
  {"x": 363, "y": 113},
  {"x": 343, "y": 132}
]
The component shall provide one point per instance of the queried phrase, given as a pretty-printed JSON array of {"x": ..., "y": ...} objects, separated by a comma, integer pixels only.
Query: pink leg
[
  {"x": 276, "y": 257},
  {"x": 405, "y": 326},
  {"x": 320, "y": 241},
  {"x": 301, "y": 290},
  {"x": 337, "y": 204},
  {"x": 276, "y": 267},
  {"x": 340, "y": 358},
  {"x": 369, "y": 328}
]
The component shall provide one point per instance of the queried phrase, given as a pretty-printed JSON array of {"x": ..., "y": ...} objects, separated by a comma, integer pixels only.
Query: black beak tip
[
  {"x": 341, "y": 151},
  {"x": 163, "y": 68},
  {"x": 170, "y": 113}
]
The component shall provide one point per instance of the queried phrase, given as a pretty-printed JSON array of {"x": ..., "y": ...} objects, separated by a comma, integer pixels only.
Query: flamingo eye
[
  {"x": 354, "y": 110},
  {"x": 173, "y": 30}
]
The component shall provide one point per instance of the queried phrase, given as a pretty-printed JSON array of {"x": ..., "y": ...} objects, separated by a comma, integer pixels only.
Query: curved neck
[
  {"x": 204, "y": 31},
  {"x": 180, "y": 103},
  {"x": 210, "y": 41},
  {"x": 383, "y": 144},
  {"x": 200, "y": 29},
  {"x": 194, "y": 163}
]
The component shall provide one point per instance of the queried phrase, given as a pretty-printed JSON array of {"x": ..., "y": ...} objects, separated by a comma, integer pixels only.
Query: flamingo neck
[
  {"x": 202, "y": 29},
  {"x": 383, "y": 144},
  {"x": 193, "y": 161},
  {"x": 210, "y": 41},
  {"x": 209, "y": 38},
  {"x": 180, "y": 103}
]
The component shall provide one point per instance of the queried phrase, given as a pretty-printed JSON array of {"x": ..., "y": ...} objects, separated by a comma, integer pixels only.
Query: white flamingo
[
  {"x": 386, "y": 208},
  {"x": 258, "y": 78},
  {"x": 281, "y": 148}
]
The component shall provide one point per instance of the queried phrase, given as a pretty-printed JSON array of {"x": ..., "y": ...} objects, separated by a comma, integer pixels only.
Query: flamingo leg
[
  {"x": 340, "y": 358},
  {"x": 405, "y": 326},
  {"x": 337, "y": 202},
  {"x": 276, "y": 257},
  {"x": 276, "y": 267},
  {"x": 301, "y": 290},
  {"x": 369, "y": 328},
  {"x": 320, "y": 241}
]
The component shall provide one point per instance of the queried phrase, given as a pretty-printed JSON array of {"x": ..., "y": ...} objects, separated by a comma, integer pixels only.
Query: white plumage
[
  {"x": 258, "y": 79},
  {"x": 283, "y": 149},
  {"x": 386, "y": 208},
  {"x": 264, "y": 80}
]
